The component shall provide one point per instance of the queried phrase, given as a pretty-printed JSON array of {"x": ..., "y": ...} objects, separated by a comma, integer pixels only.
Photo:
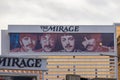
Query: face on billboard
[
  {"x": 27, "y": 42},
  {"x": 68, "y": 42},
  {"x": 89, "y": 44},
  {"x": 47, "y": 42},
  {"x": 93, "y": 43}
]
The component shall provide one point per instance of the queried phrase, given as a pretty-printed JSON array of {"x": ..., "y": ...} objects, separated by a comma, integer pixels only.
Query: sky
[{"x": 40, "y": 12}]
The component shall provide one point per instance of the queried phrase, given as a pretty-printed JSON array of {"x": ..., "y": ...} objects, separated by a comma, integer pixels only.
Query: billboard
[{"x": 61, "y": 42}]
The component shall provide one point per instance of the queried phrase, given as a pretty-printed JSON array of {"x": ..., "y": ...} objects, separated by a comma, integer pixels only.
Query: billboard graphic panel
[{"x": 61, "y": 42}]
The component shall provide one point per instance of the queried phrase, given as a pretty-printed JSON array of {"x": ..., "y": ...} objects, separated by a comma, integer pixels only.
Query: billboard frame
[{"x": 36, "y": 29}]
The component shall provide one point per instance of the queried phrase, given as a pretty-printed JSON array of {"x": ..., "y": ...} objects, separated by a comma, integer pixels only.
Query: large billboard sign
[
  {"x": 61, "y": 42},
  {"x": 54, "y": 39}
]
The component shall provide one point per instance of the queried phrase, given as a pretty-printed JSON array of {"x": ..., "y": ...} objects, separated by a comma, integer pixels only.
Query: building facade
[{"x": 89, "y": 51}]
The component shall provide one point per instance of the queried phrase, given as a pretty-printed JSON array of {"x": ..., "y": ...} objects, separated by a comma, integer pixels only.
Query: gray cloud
[{"x": 59, "y": 11}]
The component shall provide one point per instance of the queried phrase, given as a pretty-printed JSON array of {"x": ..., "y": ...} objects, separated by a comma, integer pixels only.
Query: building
[{"x": 76, "y": 58}]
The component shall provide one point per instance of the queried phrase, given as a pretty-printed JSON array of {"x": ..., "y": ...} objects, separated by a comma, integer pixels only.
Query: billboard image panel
[{"x": 61, "y": 42}]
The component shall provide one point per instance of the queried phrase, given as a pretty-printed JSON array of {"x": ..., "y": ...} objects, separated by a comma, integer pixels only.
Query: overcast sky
[{"x": 81, "y": 12}]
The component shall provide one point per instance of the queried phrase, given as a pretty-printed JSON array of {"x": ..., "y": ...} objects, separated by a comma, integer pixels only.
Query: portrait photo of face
[
  {"x": 90, "y": 44},
  {"x": 47, "y": 42},
  {"x": 27, "y": 43},
  {"x": 68, "y": 42},
  {"x": 93, "y": 42}
]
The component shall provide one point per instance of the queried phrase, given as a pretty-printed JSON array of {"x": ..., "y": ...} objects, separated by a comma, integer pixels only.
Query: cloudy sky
[{"x": 82, "y": 12}]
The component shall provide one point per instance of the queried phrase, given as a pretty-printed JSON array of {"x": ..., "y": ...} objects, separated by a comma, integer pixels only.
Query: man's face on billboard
[
  {"x": 68, "y": 42},
  {"x": 28, "y": 42},
  {"x": 47, "y": 42},
  {"x": 89, "y": 44}
]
